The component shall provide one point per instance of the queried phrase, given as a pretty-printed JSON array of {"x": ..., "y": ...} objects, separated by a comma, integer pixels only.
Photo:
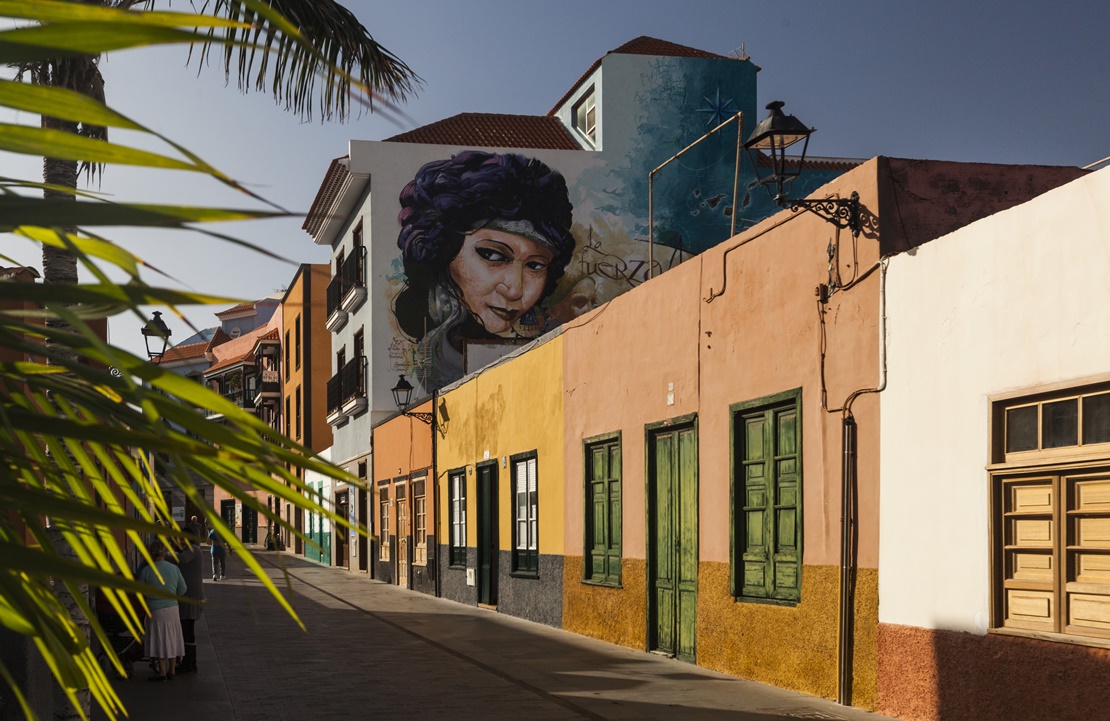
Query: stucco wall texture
[
  {"x": 616, "y": 615},
  {"x": 793, "y": 647},
  {"x": 931, "y": 675}
]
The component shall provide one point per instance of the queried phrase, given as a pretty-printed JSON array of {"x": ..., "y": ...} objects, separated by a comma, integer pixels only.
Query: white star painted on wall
[{"x": 717, "y": 109}]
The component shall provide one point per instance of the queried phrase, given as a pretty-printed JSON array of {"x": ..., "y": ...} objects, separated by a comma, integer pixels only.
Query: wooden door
[
  {"x": 250, "y": 525},
  {"x": 673, "y": 540},
  {"x": 402, "y": 539},
  {"x": 487, "y": 535}
]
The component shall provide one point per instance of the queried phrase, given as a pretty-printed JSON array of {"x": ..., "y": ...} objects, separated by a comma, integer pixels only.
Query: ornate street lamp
[
  {"x": 402, "y": 394},
  {"x": 156, "y": 328},
  {"x": 774, "y": 134}
]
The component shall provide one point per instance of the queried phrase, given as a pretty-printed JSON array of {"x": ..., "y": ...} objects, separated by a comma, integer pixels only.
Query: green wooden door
[
  {"x": 673, "y": 539},
  {"x": 487, "y": 535},
  {"x": 250, "y": 524},
  {"x": 227, "y": 512},
  {"x": 320, "y": 547}
]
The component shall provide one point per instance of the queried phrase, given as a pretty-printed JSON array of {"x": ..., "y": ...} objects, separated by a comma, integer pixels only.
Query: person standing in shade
[
  {"x": 163, "y": 642},
  {"x": 219, "y": 554},
  {"x": 192, "y": 568}
]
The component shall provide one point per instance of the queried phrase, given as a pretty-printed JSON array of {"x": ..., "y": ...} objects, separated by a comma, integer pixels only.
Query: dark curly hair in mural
[{"x": 485, "y": 237}]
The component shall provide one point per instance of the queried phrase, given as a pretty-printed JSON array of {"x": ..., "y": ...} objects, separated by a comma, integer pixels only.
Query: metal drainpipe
[
  {"x": 435, "y": 492},
  {"x": 844, "y": 662}
]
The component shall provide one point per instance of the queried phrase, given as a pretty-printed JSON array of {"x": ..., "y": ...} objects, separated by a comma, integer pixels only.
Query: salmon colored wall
[
  {"x": 402, "y": 445},
  {"x": 760, "y": 336},
  {"x": 620, "y": 364},
  {"x": 508, "y": 409},
  {"x": 738, "y": 323}
]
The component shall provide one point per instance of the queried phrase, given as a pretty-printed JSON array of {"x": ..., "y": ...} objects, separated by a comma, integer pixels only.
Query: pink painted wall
[{"x": 761, "y": 335}]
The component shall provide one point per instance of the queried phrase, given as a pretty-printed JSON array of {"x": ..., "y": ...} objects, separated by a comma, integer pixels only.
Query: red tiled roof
[
  {"x": 645, "y": 45},
  {"x": 245, "y": 359},
  {"x": 218, "y": 338},
  {"x": 493, "y": 130},
  {"x": 642, "y": 45},
  {"x": 235, "y": 309},
  {"x": 325, "y": 196},
  {"x": 184, "y": 352}
]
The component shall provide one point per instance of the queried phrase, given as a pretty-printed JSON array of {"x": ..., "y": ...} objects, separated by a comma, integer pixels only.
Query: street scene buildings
[{"x": 854, "y": 444}]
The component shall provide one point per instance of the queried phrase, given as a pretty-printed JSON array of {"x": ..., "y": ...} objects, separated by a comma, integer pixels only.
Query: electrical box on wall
[{"x": 470, "y": 576}]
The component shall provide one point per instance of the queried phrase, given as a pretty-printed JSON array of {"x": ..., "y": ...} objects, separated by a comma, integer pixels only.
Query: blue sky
[{"x": 978, "y": 81}]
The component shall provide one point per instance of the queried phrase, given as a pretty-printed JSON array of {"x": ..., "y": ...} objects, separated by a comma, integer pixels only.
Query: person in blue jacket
[{"x": 219, "y": 554}]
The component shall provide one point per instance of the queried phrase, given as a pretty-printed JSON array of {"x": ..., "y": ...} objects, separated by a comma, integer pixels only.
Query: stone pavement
[{"x": 373, "y": 650}]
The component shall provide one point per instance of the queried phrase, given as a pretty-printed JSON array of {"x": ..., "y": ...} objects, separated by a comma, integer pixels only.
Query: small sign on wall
[
  {"x": 178, "y": 513},
  {"x": 470, "y": 576}
]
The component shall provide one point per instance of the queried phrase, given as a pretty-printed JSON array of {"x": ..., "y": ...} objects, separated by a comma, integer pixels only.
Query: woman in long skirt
[{"x": 164, "y": 642}]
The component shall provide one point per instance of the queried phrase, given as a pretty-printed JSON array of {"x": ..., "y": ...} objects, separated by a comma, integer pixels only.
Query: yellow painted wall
[
  {"x": 792, "y": 647},
  {"x": 512, "y": 408}
]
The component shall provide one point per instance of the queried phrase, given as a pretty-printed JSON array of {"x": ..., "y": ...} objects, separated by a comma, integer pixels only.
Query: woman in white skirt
[{"x": 164, "y": 643}]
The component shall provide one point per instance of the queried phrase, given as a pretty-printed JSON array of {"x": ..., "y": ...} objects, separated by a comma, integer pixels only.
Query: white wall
[{"x": 1019, "y": 299}]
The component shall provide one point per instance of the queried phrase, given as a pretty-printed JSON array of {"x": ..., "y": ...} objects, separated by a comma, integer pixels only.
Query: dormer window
[{"x": 585, "y": 116}]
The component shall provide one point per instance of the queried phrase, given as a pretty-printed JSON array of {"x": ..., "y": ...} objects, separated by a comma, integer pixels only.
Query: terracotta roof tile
[
  {"x": 493, "y": 130},
  {"x": 235, "y": 309},
  {"x": 245, "y": 359},
  {"x": 645, "y": 45},
  {"x": 642, "y": 45},
  {"x": 191, "y": 351},
  {"x": 218, "y": 338}
]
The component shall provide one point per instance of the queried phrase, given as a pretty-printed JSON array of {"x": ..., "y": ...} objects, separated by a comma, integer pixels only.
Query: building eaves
[
  {"x": 642, "y": 45},
  {"x": 241, "y": 309},
  {"x": 493, "y": 130},
  {"x": 326, "y": 195},
  {"x": 245, "y": 359}
]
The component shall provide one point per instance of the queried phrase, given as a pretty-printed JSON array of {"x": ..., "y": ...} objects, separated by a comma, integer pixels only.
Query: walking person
[
  {"x": 163, "y": 642},
  {"x": 219, "y": 554},
  {"x": 192, "y": 568}
]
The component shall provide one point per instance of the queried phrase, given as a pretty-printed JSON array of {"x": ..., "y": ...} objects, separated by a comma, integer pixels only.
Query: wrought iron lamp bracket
[
  {"x": 841, "y": 212},
  {"x": 423, "y": 417}
]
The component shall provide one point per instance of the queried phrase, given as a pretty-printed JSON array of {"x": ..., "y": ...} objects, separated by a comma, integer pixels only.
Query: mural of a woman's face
[{"x": 500, "y": 275}]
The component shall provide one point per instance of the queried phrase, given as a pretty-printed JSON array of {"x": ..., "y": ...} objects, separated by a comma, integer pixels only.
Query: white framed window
[
  {"x": 383, "y": 524},
  {"x": 525, "y": 514},
  {"x": 419, "y": 523},
  {"x": 585, "y": 116},
  {"x": 457, "y": 490}
]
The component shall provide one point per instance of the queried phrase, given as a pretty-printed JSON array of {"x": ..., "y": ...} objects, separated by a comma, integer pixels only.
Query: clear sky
[{"x": 1000, "y": 81}]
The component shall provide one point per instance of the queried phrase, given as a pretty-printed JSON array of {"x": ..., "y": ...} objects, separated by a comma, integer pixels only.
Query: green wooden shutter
[
  {"x": 756, "y": 553},
  {"x": 613, "y": 526},
  {"x": 787, "y": 563},
  {"x": 769, "y": 533},
  {"x": 603, "y": 522}
]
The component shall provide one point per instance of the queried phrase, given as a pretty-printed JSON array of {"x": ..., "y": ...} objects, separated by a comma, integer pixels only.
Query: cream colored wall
[
  {"x": 1014, "y": 301},
  {"x": 504, "y": 410}
]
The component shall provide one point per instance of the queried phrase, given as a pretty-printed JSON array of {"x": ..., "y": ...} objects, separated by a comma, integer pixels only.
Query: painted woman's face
[{"x": 501, "y": 276}]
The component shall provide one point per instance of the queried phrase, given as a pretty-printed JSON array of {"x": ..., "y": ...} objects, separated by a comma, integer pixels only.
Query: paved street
[{"x": 376, "y": 651}]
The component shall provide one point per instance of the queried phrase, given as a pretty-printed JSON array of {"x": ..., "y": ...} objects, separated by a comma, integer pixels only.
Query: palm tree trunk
[{"x": 60, "y": 266}]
